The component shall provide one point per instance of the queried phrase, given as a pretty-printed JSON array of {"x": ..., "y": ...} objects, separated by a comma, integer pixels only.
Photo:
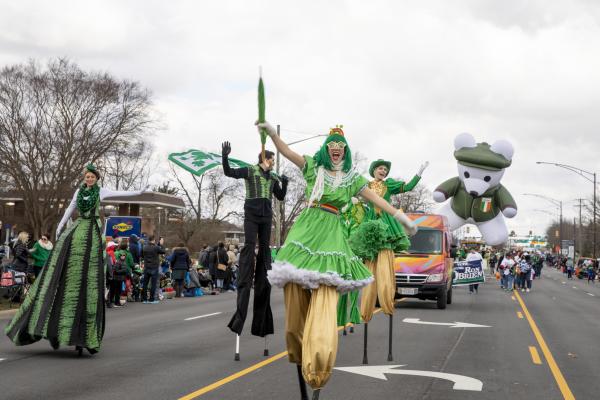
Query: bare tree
[
  {"x": 56, "y": 119},
  {"x": 295, "y": 199},
  {"x": 418, "y": 199},
  {"x": 129, "y": 164}
]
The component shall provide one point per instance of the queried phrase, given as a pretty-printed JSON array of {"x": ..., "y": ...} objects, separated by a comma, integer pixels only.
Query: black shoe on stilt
[
  {"x": 79, "y": 350},
  {"x": 391, "y": 335},
  {"x": 352, "y": 329},
  {"x": 365, "y": 358},
  {"x": 316, "y": 394},
  {"x": 302, "y": 383},
  {"x": 344, "y": 333}
]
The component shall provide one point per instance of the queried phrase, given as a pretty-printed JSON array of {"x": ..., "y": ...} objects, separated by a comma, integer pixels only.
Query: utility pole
[{"x": 579, "y": 236}]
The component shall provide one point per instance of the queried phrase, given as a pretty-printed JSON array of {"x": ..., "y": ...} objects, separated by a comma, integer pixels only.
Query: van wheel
[
  {"x": 449, "y": 297},
  {"x": 442, "y": 300}
]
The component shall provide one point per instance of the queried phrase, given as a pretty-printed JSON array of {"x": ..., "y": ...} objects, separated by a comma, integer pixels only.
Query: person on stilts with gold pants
[
  {"x": 376, "y": 241},
  {"x": 316, "y": 262}
]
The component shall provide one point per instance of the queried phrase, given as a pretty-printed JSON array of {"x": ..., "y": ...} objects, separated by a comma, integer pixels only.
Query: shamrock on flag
[{"x": 198, "y": 162}]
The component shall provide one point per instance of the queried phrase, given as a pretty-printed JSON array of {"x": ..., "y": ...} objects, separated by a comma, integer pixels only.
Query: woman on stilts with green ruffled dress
[
  {"x": 376, "y": 240},
  {"x": 65, "y": 304},
  {"x": 316, "y": 262}
]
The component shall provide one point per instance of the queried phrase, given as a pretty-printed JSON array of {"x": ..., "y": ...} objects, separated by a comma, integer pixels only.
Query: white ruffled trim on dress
[
  {"x": 283, "y": 272},
  {"x": 319, "y": 252}
]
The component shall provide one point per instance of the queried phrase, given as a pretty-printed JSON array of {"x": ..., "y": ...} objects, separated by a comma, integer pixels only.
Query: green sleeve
[
  {"x": 450, "y": 187},
  {"x": 308, "y": 172},
  {"x": 504, "y": 199},
  {"x": 35, "y": 254},
  {"x": 358, "y": 184},
  {"x": 395, "y": 187}
]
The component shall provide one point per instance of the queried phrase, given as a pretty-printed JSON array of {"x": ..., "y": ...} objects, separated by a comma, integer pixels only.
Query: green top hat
[
  {"x": 481, "y": 156},
  {"x": 377, "y": 163}
]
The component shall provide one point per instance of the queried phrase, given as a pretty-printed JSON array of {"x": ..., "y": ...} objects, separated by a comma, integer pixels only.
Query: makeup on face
[{"x": 336, "y": 151}]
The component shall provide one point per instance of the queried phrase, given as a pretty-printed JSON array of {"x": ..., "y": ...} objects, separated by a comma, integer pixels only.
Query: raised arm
[
  {"x": 236, "y": 173},
  {"x": 399, "y": 215},
  {"x": 68, "y": 213},
  {"x": 283, "y": 148}
]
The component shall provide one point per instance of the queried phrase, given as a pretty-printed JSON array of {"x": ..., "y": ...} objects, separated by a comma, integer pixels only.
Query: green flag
[{"x": 198, "y": 162}]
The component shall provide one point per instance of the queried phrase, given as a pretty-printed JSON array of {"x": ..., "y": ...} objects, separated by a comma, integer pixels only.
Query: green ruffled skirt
[
  {"x": 378, "y": 232},
  {"x": 316, "y": 252}
]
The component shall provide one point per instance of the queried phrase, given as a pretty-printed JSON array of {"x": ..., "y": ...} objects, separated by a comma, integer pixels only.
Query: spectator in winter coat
[
  {"x": 212, "y": 265},
  {"x": 134, "y": 248},
  {"x": 222, "y": 259},
  {"x": 119, "y": 274},
  {"x": 21, "y": 253},
  {"x": 203, "y": 258},
  {"x": 180, "y": 264},
  {"x": 40, "y": 253},
  {"x": 151, "y": 255}
]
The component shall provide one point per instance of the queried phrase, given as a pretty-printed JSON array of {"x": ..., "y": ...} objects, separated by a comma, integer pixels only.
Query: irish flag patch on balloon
[{"x": 486, "y": 204}]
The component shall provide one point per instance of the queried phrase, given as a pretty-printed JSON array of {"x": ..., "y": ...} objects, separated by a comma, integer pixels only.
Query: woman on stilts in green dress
[
  {"x": 316, "y": 262},
  {"x": 65, "y": 304}
]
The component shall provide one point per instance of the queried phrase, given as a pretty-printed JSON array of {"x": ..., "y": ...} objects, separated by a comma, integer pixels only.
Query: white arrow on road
[
  {"x": 451, "y": 324},
  {"x": 461, "y": 382}
]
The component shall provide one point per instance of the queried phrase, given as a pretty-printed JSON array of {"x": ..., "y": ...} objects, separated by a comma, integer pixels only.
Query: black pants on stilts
[{"x": 262, "y": 320}]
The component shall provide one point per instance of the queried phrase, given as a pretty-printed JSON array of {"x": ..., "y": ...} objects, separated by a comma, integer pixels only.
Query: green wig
[{"x": 321, "y": 157}]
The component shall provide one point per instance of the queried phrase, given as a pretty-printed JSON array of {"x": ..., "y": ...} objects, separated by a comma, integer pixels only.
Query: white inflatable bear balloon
[{"x": 476, "y": 194}]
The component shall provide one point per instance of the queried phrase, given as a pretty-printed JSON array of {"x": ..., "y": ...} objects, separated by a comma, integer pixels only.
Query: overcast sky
[{"x": 404, "y": 78}]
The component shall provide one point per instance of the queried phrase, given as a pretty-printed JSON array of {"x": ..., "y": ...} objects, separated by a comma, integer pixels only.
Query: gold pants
[
  {"x": 383, "y": 287},
  {"x": 311, "y": 331}
]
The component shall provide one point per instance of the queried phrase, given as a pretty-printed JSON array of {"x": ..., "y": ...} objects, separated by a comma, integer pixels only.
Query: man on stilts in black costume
[{"x": 261, "y": 184}]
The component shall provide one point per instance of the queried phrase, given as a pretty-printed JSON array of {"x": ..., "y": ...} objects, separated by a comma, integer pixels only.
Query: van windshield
[{"x": 426, "y": 241}]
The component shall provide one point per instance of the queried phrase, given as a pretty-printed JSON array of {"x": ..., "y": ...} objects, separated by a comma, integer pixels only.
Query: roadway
[{"x": 539, "y": 345}]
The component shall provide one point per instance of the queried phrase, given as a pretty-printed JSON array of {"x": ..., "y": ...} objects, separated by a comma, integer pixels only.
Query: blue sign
[{"x": 123, "y": 226}]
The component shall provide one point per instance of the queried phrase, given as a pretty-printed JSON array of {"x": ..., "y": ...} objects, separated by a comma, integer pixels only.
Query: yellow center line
[
  {"x": 535, "y": 356},
  {"x": 520, "y": 314},
  {"x": 558, "y": 376},
  {"x": 246, "y": 371}
]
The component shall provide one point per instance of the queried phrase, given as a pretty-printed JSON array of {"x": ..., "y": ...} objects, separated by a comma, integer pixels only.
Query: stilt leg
[
  {"x": 237, "y": 348},
  {"x": 302, "y": 383},
  {"x": 79, "y": 350},
  {"x": 365, "y": 358},
  {"x": 266, "y": 352},
  {"x": 390, "y": 356},
  {"x": 344, "y": 333},
  {"x": 316, "y": 394}
]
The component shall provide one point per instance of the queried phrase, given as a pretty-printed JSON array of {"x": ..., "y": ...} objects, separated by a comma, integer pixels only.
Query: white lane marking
[
  {"x": 591, "y": 294},
  {"x": 2, "y": 359},
  {"x": 564, "y": 283},
  {"x": 461, "y": 382},
  {"x": 202, "y": 316},
  {"x": 574, "y": 287},
  {"x": 454, "y": 324}
]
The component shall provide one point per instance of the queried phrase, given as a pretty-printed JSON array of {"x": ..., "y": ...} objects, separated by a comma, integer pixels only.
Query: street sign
[
  {"x": 461, "y": 382},
  {"x": 451, "y": 324}
]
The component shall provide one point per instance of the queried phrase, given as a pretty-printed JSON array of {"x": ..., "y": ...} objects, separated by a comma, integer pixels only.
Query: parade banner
[
  {"x": 198, "y": 162},
  {"x": 123, "y": 227},
  {"x": 467, "y": 273}
]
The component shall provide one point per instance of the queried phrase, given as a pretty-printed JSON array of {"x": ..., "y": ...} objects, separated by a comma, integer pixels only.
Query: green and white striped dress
[{"x": 65, "y": 304}]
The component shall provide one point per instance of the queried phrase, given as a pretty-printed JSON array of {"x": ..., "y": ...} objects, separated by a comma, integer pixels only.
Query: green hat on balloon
[{"x": 378, "y": 163}]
